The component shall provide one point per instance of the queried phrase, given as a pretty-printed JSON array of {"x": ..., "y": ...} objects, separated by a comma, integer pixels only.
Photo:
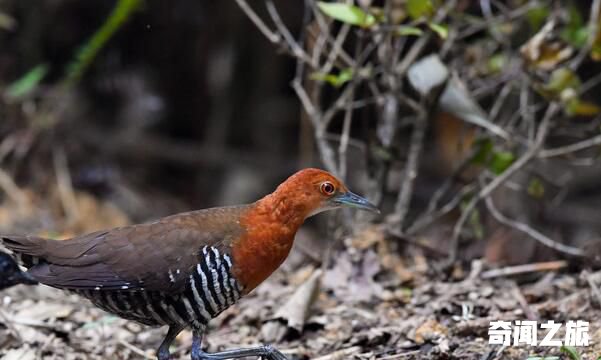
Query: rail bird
[{"x": 185, "y": 269}]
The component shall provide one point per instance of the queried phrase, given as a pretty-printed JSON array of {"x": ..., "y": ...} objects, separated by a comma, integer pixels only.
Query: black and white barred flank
[{"x": 210, "y": 289}]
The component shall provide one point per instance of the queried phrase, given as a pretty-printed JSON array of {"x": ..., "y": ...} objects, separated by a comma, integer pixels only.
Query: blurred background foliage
[{"x": 474, "y": 124}]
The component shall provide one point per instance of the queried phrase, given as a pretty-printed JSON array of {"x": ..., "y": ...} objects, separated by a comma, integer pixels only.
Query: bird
[{"x": 183, "y": 270}]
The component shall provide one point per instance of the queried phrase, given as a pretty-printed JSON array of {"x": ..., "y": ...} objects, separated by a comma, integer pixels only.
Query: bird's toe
[{"x": 272, "y": 353}]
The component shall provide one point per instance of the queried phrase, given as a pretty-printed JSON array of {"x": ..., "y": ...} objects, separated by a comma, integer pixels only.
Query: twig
[
  {"x": 297, "y": 51},
  {"x": 531, "y": 314},
  {"x": 135, "y": 349},
  {"x": 488, "y": 15},
  {"x": 533, "y": 233},
  {"x": 414, "y": 242},
  {"x": 543, "y": 129},
  {"x": 252, "y": 15},
  {"x": 341, "y": 354},
  {"x": 594, "y": 288},
  {"x": 337, "y": 47},
  {"x": 325, "y": 150},
  {"x": 65, "y": 187},
  {"x": 400, "y": 355},
  {"x": 348, "y": 115},
  {"x": 593, "y": 28},
  {"x": 524, "y": 268},
  {"x": 567, "y": 149},
  {"x": 8, "y": 322},
  {"x": 12, "y": 190},
  {"x": 431, "y": 213},
  {"x": 411, "y": 169},
  {"x": 423, "y": 40}
]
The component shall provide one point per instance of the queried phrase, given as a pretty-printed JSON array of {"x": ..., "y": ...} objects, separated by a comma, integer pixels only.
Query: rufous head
[{"x": 317, "y": 190}]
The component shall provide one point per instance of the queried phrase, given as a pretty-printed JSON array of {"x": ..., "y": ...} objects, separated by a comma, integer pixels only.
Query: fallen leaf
[{"x": 430, "y": 330}]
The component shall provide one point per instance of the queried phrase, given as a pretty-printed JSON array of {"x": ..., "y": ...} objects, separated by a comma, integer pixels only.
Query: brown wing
[{"x": 154, "y": 256}]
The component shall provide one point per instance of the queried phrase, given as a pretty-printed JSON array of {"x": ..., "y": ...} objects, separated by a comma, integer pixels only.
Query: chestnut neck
[{"x": 270, "y": 226}]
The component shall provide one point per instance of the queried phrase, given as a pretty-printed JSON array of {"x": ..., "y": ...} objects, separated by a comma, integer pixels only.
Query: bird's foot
[{"x": 265, "y": 352}]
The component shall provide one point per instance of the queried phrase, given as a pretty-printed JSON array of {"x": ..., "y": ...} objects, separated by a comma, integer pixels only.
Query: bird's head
[{"x": 315, "y": 190}]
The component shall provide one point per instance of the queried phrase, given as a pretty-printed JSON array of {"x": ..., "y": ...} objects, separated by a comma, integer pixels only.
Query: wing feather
[{"x": 153, "y": 256}]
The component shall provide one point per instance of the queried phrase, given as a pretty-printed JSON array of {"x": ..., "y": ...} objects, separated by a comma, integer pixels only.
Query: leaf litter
[{"x": 372, "y": 302}]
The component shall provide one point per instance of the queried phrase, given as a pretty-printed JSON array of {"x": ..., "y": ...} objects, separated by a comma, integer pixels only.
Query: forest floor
[{"x": 350, "y": 311}]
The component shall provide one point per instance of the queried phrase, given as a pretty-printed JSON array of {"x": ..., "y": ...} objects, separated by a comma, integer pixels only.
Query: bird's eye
[{"x": 327, "y": 188}]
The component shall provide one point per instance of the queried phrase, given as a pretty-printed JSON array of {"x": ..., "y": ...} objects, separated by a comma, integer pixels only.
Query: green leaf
[
  {"x": 501, "y": 161},
  {"x": 562, "y": 79},
  {"x": 575, "y": 33},
  {"x": 536, "y": 17},
  {"x": 496, "y": 63},
  {"x": 347, "y": 13},
  {"x": 577, "y": 107},
  {"x": 28, "y": 82},
  {"x": 536, "y": 189},
  {"x": 408, "y": 31},
  {"x": 485, "y": 148},
  {"x": 441, "y": 30},
  {"x": 86, "y": 54},
  {"x": 419, "y": 8},
  {"x": 575, "y": 37},
  {"x": 338, "y": 80},
  {"x": 571, "y": 352}
]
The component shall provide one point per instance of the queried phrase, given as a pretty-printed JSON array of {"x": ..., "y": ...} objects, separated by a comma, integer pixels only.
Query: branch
[
  {"x": 543, "y": 129},
  {"x": 533, "y": 233},
  {"x": 567, "y": 149},
  {"x": 273, "y": 37}
]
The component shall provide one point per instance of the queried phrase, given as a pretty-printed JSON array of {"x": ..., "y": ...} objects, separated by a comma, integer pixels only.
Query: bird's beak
[{"x": 349, "y": 199}]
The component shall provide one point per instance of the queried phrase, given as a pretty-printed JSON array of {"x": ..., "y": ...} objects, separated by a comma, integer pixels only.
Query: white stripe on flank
[
  {"x": 227, "y": 287},
  {"x": 228, "y": 260},
  {"x": 173, "y": 314},
  {"x": 112, "y": 303},
  {"x": 191, "y": 312},
  {"x": 218, "y": 290},
  {"x": 151, "y": 309},
  {"x": 198, "y": 300},
  {"x": 217, "y": 257},
  {"x": 215, "y": 271},
  {"x": 214, "y": 308}
]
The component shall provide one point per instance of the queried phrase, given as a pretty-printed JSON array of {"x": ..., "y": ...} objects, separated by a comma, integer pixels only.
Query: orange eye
[{"x": 327, "y": 188}]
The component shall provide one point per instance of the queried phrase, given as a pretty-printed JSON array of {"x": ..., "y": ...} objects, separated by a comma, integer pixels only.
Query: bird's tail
[{"x": 11, "y": 274}]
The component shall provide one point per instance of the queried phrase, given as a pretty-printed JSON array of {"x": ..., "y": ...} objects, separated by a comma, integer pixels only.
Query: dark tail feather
[{"x": 11, "y": 275}]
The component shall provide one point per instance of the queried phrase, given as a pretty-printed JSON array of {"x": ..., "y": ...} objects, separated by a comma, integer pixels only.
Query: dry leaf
[{"x": 430, "y": 330}]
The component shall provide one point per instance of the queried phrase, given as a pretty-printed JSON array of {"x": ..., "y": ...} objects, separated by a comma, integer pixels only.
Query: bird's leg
[
  {"x": 267, "y": 352},
  {"x": 163, "y": 353}
]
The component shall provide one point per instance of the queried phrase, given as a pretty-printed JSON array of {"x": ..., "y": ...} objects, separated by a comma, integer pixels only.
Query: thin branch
[
  {"x": 572, "y": 148},
  {"x": 337, "y": 47},
  {"x": 411, "y": 169},
  {"x": 11, "y": 190},
  {"x": 533, "y": 233},
  {"x": 65, "y": 186},
  {"x": 543, "y": 129},
  {"x": 593, "y": 28},
  {"x": 295, "y": 48},
  {"x": 252, "y": 15},
  {"x": 423, "y": 40},
  {"x": 524, "y": 269}
]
